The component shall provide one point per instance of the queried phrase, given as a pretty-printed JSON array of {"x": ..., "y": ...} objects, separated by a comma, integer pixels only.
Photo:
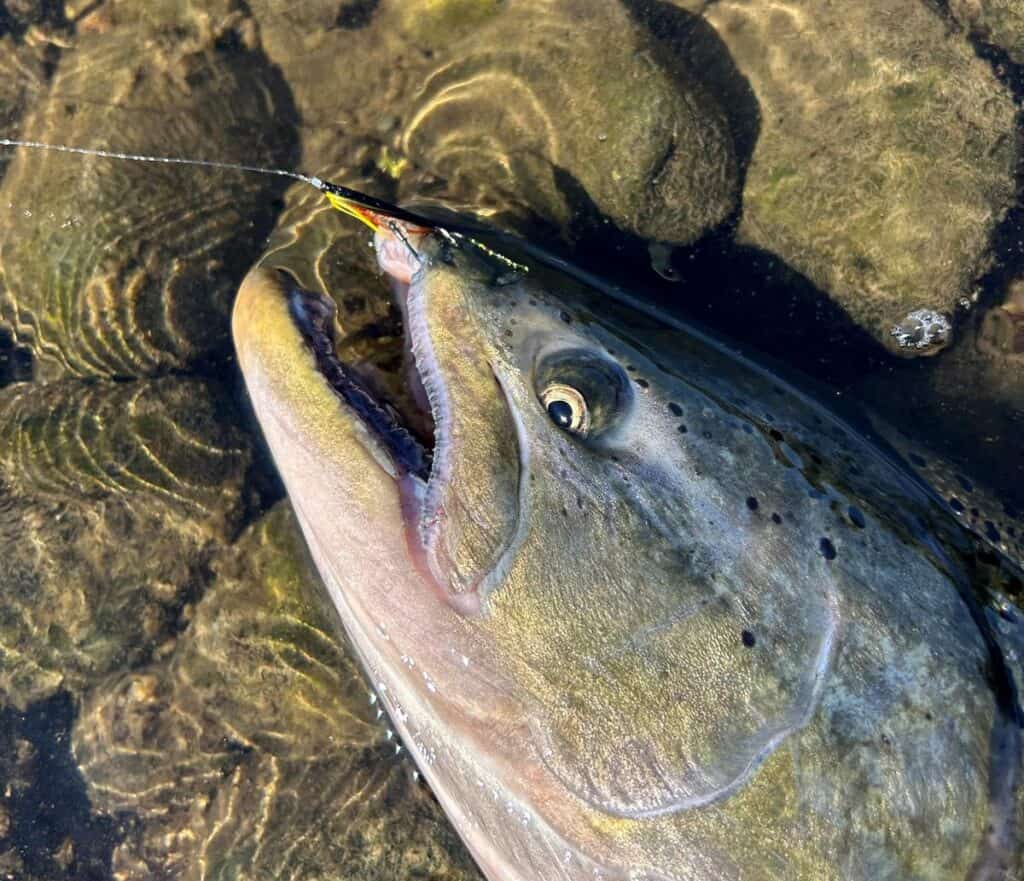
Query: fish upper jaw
[{"x": 470, "y": 516}]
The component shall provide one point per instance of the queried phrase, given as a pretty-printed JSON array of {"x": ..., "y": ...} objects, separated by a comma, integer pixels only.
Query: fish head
[{"x": 551, "y": 610}]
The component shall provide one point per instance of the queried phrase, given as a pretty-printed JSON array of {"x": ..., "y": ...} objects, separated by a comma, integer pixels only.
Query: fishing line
[
  {"x": 348, "y": 201},
  {"x": 336, "y": 194},
  {"x": 166, "y": 160}
]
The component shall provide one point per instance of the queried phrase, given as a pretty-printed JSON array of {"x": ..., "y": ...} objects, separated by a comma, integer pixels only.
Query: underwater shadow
[
  {"x": 742, "y": 293},
  {"x": 691, "y": 51}
]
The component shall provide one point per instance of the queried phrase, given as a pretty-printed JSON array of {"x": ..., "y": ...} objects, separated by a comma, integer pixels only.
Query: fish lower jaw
[{"x": 413, "y": 492}]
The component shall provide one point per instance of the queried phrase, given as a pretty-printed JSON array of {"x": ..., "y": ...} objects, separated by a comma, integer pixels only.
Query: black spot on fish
[
  {"x": 752, "y": 503},
  {"x": 856, "y": 518},
  {"x": 567, "y": 318},
  {"x": 991, "y": 533},
  {"x": 675, "y": 409},
  {"x": 816, "y": 459},
  {"x": 776, "y": 518},
  {"x": 988, "y": 558},
  {"x": 643, "y": 383},
  {"x": 828, "y": 550},
  {"x": 965, "y": 483},
  {"x": 565, "y": 511},
  {"x": 355, "y": 14},
  {"x": 682, "y": 429},
  {"x": 775, "y": 435},
  {"x": 917, "y": 461},
  {"x": 630, "y": 367},
  {"x": 749, "y": 640},
  {"x": 533, "y": 302},
  {"x": 956, "y": 504}
]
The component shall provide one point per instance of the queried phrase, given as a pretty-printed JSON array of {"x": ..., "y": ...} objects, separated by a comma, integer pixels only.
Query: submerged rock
[
  {"x": 532, "y": 105},
  {"x": 113, "y": 500},
  {"x": 999, "y": 22},
  {"x": 255, "y": 750},
  {"x": 1001, "y": 334},
  {"x": 101, "y": 262},
  {"x": 22, "y": 79},
  {"x": 513, "y": 110},
  {"x": 885, "y": 156}
]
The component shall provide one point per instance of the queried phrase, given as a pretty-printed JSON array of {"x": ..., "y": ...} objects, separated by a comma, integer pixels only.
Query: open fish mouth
[
  {"x": 411, "y": 435},
  {"x": 403, "y": 427},
  {"x": 407, "y": 439}
]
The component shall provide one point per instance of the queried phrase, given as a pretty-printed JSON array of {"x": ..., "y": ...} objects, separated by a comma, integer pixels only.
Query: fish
[{"x": 638, "y": 606}]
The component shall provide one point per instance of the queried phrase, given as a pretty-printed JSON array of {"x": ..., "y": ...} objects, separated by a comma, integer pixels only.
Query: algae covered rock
[
  {"x": 22, "y": 79},
  {"x": 126, "y": 269},
  {"x": 999, "y": 22},
  {"x": 540, "y": 99},
  {"x": 113, "y": 500},
  {"x": 885, "y": 156},
  {"x": 1001, "y": 334},
  {"x": 254, "y": 751},
  {"x": 520, "y": 111}
]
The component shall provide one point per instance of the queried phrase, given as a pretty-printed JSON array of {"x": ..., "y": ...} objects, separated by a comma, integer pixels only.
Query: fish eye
[
  {"x": 566, "y": 407},
  {"x": 583, "y": 393}
]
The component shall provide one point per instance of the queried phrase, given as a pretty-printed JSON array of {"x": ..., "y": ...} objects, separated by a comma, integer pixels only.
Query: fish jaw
[
  {"x": 359, "y": 505},
  {"x": 463, "y": 721}
]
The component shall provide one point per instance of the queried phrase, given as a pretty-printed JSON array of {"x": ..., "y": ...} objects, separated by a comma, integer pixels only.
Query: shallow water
[{"x": 175, "y": 700}]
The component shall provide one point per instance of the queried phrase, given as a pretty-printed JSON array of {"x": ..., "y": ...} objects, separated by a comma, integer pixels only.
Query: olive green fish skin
[{"x": 720, "y": 637}]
